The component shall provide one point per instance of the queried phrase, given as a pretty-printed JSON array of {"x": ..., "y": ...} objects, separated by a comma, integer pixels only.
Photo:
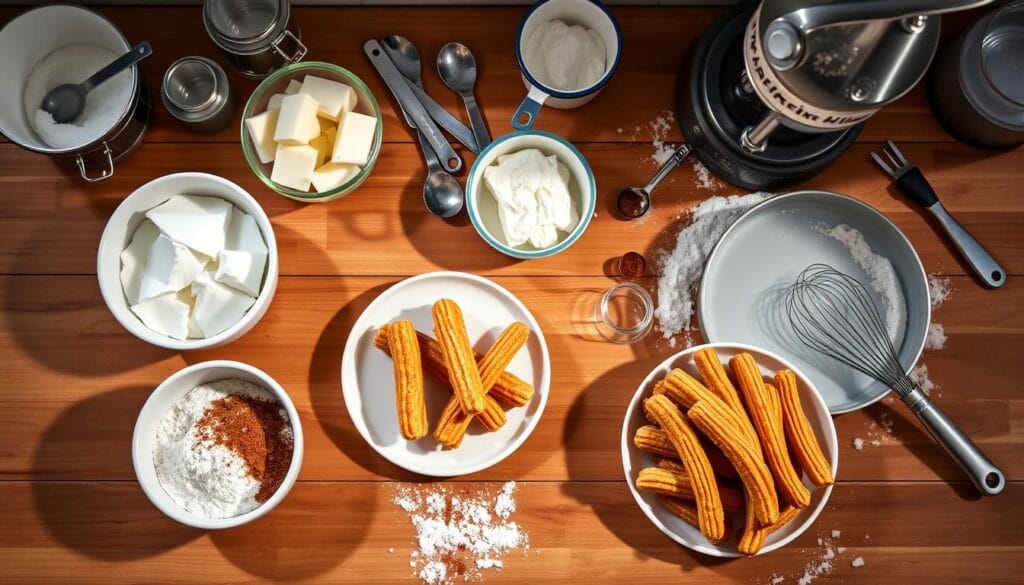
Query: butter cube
[
  {"x": 326, "y": 124},
  {"x": 334, "y": 98},
  {"x": 296, "y": 122},
  {"x": 331, "y": 133},
  {"x": 275, "y": 101},
  {"x": 294, "y": 85},
  {"x": 355, "y": 138},
  {"x": 322, "y": 148},
  {"x": 333, "y": 175},
  {"x": 294, "y": 166},
  {"x": 261, "y": 130}
]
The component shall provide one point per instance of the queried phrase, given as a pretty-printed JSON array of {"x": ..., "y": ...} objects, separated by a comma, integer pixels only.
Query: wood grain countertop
[{"x": 71, "y": 510}]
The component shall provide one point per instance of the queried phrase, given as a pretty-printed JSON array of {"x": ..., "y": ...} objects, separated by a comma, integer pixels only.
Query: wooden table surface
[{"x": 70, "y": 508}]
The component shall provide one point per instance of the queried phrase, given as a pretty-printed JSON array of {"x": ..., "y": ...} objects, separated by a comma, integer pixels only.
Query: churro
[
  {"x": 759, "y": 405},
  {"x": 676, "y": 483},
  {"x": 508, "y": 389},
  {"x": 799, "y": 433},
  {"x": 405, "y": 356},
  {"x": 748, "y": 463},
  {"x": 654, "y": 440},
  {"x": 711, "y": 517},
  {"x": 753, "y": 536},
  {"x": 716, "y": 378},
  {"x": 491, "y": 366},
  {"x": 688, "y": 512},
  {"x": 450, "y": 330},
  {"x": 686, "y": 391}
]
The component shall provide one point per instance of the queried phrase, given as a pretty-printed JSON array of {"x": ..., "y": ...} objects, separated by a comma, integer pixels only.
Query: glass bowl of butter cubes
[{"x": 312, "y": 131}]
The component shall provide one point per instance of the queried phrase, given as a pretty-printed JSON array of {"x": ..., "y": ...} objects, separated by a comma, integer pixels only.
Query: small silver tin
[{"x": 195, "y": 90}]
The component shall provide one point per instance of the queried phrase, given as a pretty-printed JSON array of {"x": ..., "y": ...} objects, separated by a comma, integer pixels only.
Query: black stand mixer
[{"x": 775, "y": 92}]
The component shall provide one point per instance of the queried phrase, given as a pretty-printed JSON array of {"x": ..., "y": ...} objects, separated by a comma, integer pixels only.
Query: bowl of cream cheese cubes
[
  {"x": 312, "y": 131},
  {"x": 530, "y": 194},
  {"x": 188, "y": 261}
]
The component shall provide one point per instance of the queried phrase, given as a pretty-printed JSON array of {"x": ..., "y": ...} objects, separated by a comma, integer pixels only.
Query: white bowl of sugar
[{"x": 218, "y": 444}]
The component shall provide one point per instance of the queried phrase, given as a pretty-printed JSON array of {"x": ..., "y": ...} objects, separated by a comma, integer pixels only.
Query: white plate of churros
[
  {"x": 445, "y": 374},
  {"x": 729, "y": 450}
]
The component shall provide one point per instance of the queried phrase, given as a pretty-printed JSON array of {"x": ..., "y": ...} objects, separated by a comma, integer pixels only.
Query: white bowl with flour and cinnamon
[{"x": 217, "y": 444}]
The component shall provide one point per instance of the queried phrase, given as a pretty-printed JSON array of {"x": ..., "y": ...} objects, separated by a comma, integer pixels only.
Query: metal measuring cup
[
  {"x": 257, "y": 36},
  {"x": 195, "y": 90}
]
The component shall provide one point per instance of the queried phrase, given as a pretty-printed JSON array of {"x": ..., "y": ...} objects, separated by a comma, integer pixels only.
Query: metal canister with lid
[
  {"x": 196, "y": 91},
  {"x": 257, "y": 36}
]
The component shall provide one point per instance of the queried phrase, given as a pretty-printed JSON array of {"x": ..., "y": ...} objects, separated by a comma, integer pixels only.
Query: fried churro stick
[
  {"x": 688, "y": 512},
  {"x": 772, "y": 395},
  {"x": 799, "y": 433},
  {"x": 751, "y": 467},
  {"x": 509, "y": 389},
  {"x": 710, "y": 514},
  {"x": 405, "y": 356},
  {"x": 686, "y": 390},
  {"x": 677, "y": 483},
  {"x": 494, "y": 362},
  {"x": 759, "y": 405},
  {"x": 654, "y": 440},
  {"x": 753, "y": 536},
  {"x": 716, "y": 378},
  {"x": 453, "y": 423},
  {"x": 450, "y": 330}
]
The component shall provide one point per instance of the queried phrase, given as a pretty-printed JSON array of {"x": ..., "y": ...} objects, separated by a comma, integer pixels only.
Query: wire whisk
[{"x": 833, "y": 314}]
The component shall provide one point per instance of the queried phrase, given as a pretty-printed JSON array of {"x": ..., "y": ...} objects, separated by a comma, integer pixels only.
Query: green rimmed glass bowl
[{"x": 276, "y": 82}]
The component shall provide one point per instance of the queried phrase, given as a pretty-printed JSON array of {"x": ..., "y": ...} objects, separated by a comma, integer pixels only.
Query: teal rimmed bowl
[
  {"x": 276, "y": 83},
  {"x": 483, "y": 209}
]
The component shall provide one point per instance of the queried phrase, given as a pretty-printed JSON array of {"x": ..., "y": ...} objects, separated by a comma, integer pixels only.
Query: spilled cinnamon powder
[{"x": 257, "y": 431}]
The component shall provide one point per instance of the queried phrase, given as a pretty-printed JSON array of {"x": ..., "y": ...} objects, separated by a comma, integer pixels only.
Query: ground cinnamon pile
[{"x": 257, "y": 431}]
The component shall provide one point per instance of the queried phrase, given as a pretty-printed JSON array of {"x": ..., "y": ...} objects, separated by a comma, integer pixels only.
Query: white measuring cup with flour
[{"x": 530, "y": 55}]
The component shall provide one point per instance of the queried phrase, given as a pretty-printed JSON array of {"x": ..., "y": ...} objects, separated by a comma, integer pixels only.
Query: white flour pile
[
  {"x": 681, "y": 269},
  {"x": 824, "y": 564},
  {"x": 73, "y": 64},
  {"x": 704, "y": 179},
  {"x": 879, "y": 270},
  {"x": 940, "y": 288},
  {"x": 460, "y": 534},
  {"x": 936, "y": 338}
]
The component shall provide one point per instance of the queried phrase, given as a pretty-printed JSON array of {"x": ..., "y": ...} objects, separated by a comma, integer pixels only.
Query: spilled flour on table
[
  {"x": 703, "y": 179},
  {"x": 460, "y": 533},
  {"x": 683, "y": 266}
]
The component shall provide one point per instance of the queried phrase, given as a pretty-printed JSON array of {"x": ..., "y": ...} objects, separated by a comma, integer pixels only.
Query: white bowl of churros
[{"x": 729, "y": 450}]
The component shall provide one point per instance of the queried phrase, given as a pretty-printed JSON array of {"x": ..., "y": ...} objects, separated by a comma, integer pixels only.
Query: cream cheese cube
[
  {"x": 218, "y": 307},
  {"x": 165, "y": 314},
  {"x": 355, "y": 138},
  {"x": 333, "y": 175},
  {"x": 294, "y": 166},
  {"x": 170, "y": 267},
  {"x": 133, "y": 259},
  {"x": 275, "y": 101},
  {"x": 261, "y": 129},
  {"x": 334, "y": 98},
  {"x": 294, "y": 86},
  {"x": 322, "y": 149},
  {"x": 242, "y": 264},
  {"x": 199, "y": 222},
  {"x": 296, "y": 121}
]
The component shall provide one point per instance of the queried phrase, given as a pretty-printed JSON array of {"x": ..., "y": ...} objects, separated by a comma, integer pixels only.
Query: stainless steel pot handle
[
  {"x": 809, "y": 18},
  {"x": 105, "y": 173},
  {"x": 300, "y": 51}
]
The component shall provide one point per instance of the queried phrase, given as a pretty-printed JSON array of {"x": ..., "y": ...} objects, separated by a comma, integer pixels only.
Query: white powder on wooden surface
[
  {"x": 459, "y": 532},
  {"x": 103, "y": 106},
  {"x": 919, "y": 376},
  {"x": 857, "y": 562},
  {"x": 939, "y": 288},
  {"x": 882, "y": 275},
  {"x": 703, "y": 179},
  {"x": 681, "y": 269},
  {"x": 198, "y": 475},
  {"x": 820, "y": 566},
  {"x": 936, "y": 338}
]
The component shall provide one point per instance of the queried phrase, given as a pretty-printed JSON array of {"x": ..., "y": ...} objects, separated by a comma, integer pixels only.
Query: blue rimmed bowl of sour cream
[{"x": 530, "y": 194}]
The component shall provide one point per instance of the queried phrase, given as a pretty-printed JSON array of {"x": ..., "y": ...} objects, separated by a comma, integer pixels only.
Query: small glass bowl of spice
[
  {"x": 632, "y": 265},
  {"x": 218, "y": 444}
]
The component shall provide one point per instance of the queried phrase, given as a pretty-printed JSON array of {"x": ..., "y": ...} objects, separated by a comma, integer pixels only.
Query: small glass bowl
[
  {"x": 276, "y": 82},
  {"x": 625, "y": 313}
]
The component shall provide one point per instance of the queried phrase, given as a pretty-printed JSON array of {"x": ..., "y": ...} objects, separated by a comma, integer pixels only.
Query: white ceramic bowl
[
  {"x": 633, "y": 459},
  {"x": 129, "y": 215},
  {"x": 161, "y": 400},
  {"x": 483, "y": 209}
]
